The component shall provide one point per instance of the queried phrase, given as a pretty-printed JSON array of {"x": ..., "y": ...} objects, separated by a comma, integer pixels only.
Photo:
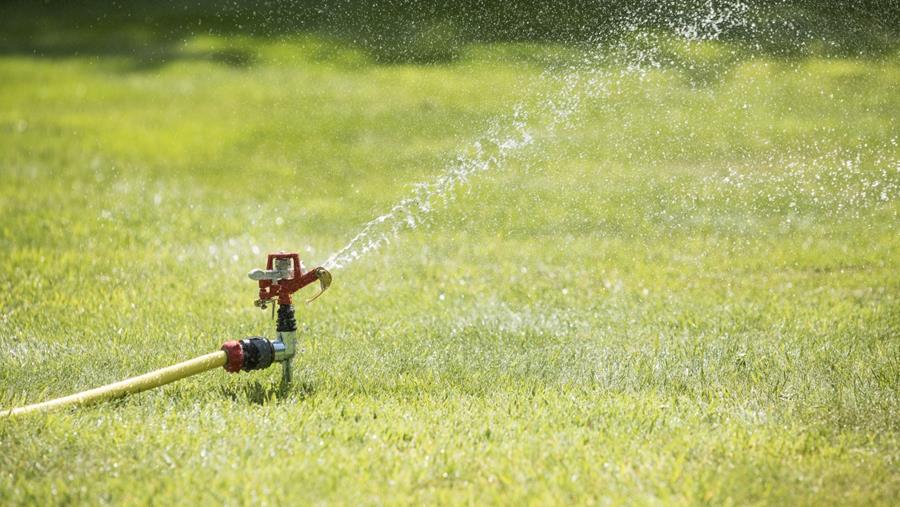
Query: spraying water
[
  {"x": 505, "y": 139},
  {"x": 517, "y": 136}
]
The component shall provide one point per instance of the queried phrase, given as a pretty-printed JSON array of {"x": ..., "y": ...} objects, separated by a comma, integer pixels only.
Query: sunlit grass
[{"x": 689, "y": 294}]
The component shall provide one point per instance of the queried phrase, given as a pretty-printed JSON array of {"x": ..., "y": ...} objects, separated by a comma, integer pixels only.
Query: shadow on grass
[
  {"x": 149, "y": 34},
  {"x": 258, "y": 393}
]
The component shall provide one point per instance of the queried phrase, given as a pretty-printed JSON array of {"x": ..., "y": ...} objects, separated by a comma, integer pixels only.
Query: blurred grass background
[
  {"x": 434, "y": 31},
  {"x": 685, "y": 294}
]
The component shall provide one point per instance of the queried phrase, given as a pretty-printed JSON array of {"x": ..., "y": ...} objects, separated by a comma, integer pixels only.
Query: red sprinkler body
[
  {"x": 271, "y": 287},
  {"x": 282, "y": 277}
]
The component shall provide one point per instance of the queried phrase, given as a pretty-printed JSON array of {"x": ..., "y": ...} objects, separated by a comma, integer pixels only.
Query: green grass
[{"x": 687, "y": 294}]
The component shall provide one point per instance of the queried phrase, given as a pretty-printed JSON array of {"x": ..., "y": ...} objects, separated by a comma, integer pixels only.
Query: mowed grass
[{"x": 687, "y": 293}]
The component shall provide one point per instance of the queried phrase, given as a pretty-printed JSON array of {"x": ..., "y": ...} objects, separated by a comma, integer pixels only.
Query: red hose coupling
[{"x": 235, "y": 356}]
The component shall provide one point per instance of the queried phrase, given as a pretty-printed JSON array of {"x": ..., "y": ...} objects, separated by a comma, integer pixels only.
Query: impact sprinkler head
[{"x": 283, "y": 276}]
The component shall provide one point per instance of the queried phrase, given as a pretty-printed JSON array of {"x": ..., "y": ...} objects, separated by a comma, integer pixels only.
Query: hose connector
[{"x": 252, "y": 353}]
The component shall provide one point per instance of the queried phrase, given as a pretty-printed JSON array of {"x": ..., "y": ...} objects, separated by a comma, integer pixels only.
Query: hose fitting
[
  {"x": 252, "y": 353},
  {"x": 234, "y": 356}
]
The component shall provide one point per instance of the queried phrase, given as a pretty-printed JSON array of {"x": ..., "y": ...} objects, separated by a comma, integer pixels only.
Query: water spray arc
[
  {"x": 282, "y": 277},
  {"x": 517, "y": 136}
]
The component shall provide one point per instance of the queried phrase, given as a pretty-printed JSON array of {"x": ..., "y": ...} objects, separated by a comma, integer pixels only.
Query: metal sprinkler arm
[{"x": 324, "y": 277}]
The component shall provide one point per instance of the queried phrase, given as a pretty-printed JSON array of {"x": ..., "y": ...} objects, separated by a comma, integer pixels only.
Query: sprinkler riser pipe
[
  {"x": 280, "y": 350},
  {"x": 286, "y": 334},
  {"x": 285, "y": 345}
]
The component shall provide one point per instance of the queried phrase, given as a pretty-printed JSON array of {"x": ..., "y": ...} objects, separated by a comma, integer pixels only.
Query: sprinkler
[{"x": 282, "y": 277}]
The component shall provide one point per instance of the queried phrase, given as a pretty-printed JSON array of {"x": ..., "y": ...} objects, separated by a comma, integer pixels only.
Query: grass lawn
[{"x": 685, "y": 289}]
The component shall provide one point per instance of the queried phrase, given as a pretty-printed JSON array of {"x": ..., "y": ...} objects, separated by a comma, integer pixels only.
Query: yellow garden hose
[{"x": 133, "y": 385}]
